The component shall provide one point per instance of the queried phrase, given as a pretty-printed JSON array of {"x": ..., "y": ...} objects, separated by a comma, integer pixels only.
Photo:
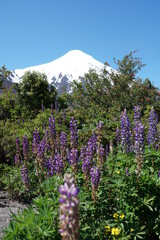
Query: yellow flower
[
  {"x": 132, "y": 230},
  {"x": 115, "y": 215},
  {"x": 118, "y": 172},
  {"x": 108, "y": 229},
  {"x": 115, "y": 231},
  {"x": 121, "y": 216}
]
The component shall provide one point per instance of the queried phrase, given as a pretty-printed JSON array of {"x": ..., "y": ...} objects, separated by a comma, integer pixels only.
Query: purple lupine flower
[
  {"x": 51, "y": 126},
  {"x": 36, "y": 141},
  {"x": 125, "y": 132},
  {"x": 69, "y": 203},
  {"x": 24, "y": 174},
  {"x": 51, "y": 166},
  {"x": 41, "y": 152},
  {"x": 94, "y": 141},
  {"x": 41, "y": 158},
  {"x": 58, "y": 163},
  {"x": 17, "y": 144},
  {"x": 25, "y": 147},
  {"x": 87, "y": 164},
  {"x": 57, "y": 143},
  {"x": 82, "y": 154},
  {"x": 152, "y": 134},
  {"x": 73, "y": 130},
  {"x": 139, "y": 139},
  {"x": 63, "y": 146},
  {"x": 101, "y": 154},
  {"x": 137, "y": 114},
  {"x": 95, "y": 178},
  {"x": 158, "y": 173},
  {"x": 90, "y": 147},
  {"x": 16, "y": 160},
  {"x": 46, "y": 138},
  {"x": 63, "y": 140},
  {"x": 74, "y": 159},
  {"x": 52, "y": 132}
]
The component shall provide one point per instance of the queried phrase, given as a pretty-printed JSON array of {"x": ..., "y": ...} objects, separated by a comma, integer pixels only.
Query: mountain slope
[{"x": 62, "y": 71}]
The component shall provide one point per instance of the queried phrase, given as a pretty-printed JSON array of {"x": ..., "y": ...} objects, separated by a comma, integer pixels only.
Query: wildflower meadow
[{"x": 87, "y": 167}]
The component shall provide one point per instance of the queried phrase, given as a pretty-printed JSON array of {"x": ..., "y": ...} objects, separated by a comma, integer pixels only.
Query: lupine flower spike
[
  {"x": 69, "y": 216},
  {"x": 125, "y": 132},
  {"x": 137, "y": 114},
  {"x": 24, "y": 174},
  {"x": 86, "y": 157},
  {"x": 99, "y": 136},
  {"x": 95, "y": 178},
  {"x": 152, "y": 134},
  {"x": 74, "y": 160},
  {"x": 63, "y": 147}
]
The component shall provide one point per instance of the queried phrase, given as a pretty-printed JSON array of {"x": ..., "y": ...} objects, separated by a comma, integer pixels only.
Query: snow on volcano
[{"x": 62, "y": 71}]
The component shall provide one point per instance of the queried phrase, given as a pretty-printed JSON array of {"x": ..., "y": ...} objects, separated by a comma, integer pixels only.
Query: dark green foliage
[
  {"x": 34, "y": 89},
  {"x": 116, "y": 91},
  {"x": 7, "y": 104},
  {"x": 130, "y": 65},
  {"x": 40, "y": 221},
  {"x": 4, "y": 73}
]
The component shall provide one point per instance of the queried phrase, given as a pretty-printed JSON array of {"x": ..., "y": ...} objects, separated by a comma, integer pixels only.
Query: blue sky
[{"x": 39, "y": 31}]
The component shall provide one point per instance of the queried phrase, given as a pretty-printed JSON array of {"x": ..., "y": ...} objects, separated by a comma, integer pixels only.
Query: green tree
[
  {"x": 33, "y": 89},
  {"x": 4, "y": 73},
  {"x": 113, "y": 92},
  {"x": 129, "y": 65}
]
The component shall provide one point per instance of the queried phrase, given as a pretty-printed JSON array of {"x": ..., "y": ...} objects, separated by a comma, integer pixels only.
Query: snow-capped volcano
[{"x": 62, "y": 71}]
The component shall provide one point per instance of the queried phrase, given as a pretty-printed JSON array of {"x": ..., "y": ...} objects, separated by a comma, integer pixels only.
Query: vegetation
[
  {"x": 87, "y": 163},
  {"x": 34, "y": 89},
  {"x": 4, "y": 73}
]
